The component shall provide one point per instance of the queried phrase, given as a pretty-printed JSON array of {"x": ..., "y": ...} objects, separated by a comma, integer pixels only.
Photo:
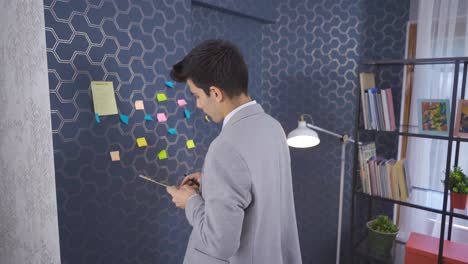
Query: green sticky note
[
  {"x": 162, "y": 155},
  {"x": 104, "y": 98},
  {"x": 161, "y": 97},
  {"x": 190, "y": 144}
]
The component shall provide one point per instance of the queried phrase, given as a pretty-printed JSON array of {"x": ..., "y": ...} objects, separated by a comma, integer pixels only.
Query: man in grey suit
[{"x": 243, "y": 212}]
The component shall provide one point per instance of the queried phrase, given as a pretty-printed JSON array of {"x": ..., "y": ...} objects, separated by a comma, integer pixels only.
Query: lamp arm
[{"x": 345, "y": 138}]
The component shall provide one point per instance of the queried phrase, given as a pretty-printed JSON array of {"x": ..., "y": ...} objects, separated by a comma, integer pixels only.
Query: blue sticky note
[
  {"x": 148, "y": 118},
  {"x": 124, "y": 119},
  {"x": 170, "y": 85},
  {"x": 172, "y": 131},
  {"x": 98, "y": 120},
  {"x": 187, "y": 113}
]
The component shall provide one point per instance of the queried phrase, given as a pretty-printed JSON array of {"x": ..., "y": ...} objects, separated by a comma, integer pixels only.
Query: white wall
[{"x": 28, "y": 206}]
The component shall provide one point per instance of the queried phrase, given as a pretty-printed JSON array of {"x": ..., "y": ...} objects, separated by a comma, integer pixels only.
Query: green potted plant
[
  {"x": 382, "y": 234},
  {"x": 458, "y": 186}
]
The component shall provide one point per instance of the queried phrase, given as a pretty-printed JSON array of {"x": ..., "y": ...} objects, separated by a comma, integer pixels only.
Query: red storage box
[{"x": 424, "y": 249}]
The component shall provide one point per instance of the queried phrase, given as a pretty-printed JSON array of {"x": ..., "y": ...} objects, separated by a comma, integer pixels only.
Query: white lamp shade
[{"x": 303, "y": 137}]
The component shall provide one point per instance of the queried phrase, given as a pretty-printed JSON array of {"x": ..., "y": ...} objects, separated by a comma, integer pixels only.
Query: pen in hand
[{"x": 192, "y": 181}]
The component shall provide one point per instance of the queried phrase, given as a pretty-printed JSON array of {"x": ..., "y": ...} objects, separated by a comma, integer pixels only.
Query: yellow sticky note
[
  {"x": 142, "y": 142},
  {"x": 161, "y": 97},
  {"x": 139, "y": 105},
  {"x": 115, "y": 155},
  {"x": 190, "y": 144},
  {"x": 162, "y": 155},
  {"x": 104, "y": 98}
]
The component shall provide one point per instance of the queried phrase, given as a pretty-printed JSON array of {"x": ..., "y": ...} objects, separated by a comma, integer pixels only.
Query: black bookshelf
[{"x": 443, "y": 211}]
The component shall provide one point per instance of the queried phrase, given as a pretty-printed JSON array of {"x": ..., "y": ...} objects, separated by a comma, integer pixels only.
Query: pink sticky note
[
  {"x": 181, "y": 102},
  {"x": 139, "y": 105},
  {"x": 161, "y": 117}
]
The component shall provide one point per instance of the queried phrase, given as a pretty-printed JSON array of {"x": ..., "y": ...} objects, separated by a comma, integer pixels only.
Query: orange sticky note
[
  {"x": 141, "y": 142},
  {"x": 190, "y": 144},
  {"x": 139, "y": 105},
  {"x": 115, "y": 155}
]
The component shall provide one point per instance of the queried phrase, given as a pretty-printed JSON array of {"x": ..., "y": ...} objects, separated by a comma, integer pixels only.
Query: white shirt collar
[{"x": 233, "y": 112}]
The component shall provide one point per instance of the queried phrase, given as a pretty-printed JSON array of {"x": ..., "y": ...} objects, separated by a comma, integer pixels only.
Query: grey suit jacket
[{"x": 245, "y": 213}]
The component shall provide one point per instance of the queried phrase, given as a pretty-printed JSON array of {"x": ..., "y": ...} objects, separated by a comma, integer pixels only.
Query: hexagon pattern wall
[
  {"x": 310, "y": 60},
  {"x": 244, "y": 33},
  {"x": 106, "y": 214},
  {"x": 306, "y": 62}
]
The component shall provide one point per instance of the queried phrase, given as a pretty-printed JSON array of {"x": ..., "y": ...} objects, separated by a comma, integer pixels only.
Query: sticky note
[
  {"x": 170, "y": 85},
  {"x": 98, "y": 120},
  {"x": 190, "y": 144},
  {"x": 181, "y": 102},
  {"x": 148, "y": 118},
  {"x": 124, "y": 119},
  {"x": 207, "y": 119},
  {"x": 139, "y": 105},
  {"x": 161, "y": 117},
  {"x": 172, "y": 131},
  {"x": 115, "y": 155},
  {"x": 187, "y": 113},
  {"x": 161, "y": 97},
  {"x": 104, "y": 98},
  {"x": 162, "y": 155},
  {"x": 141, "y": 142}
]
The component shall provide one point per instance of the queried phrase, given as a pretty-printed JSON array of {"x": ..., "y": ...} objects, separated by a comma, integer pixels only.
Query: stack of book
[
  {"x": 382, "y": 177},
  {"x": 377, "y": 105}
]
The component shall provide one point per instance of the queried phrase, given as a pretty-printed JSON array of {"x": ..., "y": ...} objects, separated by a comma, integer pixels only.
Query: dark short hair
[{"x": 214, "y": 63}]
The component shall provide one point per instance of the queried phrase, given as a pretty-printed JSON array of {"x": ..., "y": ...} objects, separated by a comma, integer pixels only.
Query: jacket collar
[{"x": 244, "y": 113}]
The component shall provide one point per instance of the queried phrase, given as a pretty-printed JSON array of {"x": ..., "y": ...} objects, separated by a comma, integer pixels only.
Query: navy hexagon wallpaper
[
  {"x": 303, "y": 57},
  {"x": 257, "y": 10},
  {"x": 310, "y": 60},
  {"x": 107, "y": 214}
]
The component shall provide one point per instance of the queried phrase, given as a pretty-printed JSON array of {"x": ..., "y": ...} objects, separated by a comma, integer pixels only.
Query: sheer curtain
[{"x": 442, "y": 31}]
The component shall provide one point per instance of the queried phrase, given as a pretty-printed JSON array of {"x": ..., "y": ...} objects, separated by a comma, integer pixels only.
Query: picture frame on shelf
[
  {"x": 461, "y": 121},
  {"x": 434, "y": 116}
]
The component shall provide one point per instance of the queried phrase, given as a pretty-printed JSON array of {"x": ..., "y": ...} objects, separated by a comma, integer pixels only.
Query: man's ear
[{"x": 217, "y": 93}]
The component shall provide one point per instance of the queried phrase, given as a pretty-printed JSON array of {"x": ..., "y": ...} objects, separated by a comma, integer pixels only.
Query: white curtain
[{"x": 442, "y": 31}]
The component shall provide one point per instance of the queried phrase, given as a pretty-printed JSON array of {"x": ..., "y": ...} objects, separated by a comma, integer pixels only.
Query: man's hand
[
  {"x": 191, "y": 177},
  {"x": 180, "y": 196}
]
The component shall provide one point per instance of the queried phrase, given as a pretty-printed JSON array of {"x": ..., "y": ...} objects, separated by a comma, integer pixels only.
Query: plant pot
[
  {"x": 380, "y": 244},
  {"x": 458, "y": 200}
]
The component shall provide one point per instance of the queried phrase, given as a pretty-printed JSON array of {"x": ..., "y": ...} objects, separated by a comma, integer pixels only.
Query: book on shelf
[
  {"x": 377, "y": 105},
  {"x": 383, "y": 177},
  {"x": 367, "y": 82},
  {"x": 366, "y": 151}
]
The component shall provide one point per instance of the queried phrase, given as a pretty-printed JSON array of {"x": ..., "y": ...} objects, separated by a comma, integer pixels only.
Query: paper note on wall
[
  {"x": 139, "y": 105},
  {"x": 148, "y": 118},
  {"x": 141, "y": 142},
  {"x": 161, "y": 97},
  {"x": 172, "y": 131},
  {"x": 181, "y": 102},
  {"x": 187, "y": 113},
  {"x": 190, "y": 144},
  {"x": 115, "y": 155},
  {"x": 162, "y": 155},
  {"x": 104, "y": 98},
  {"x": 161, "y": 117},
  {"x": 170, "y": 84}
]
